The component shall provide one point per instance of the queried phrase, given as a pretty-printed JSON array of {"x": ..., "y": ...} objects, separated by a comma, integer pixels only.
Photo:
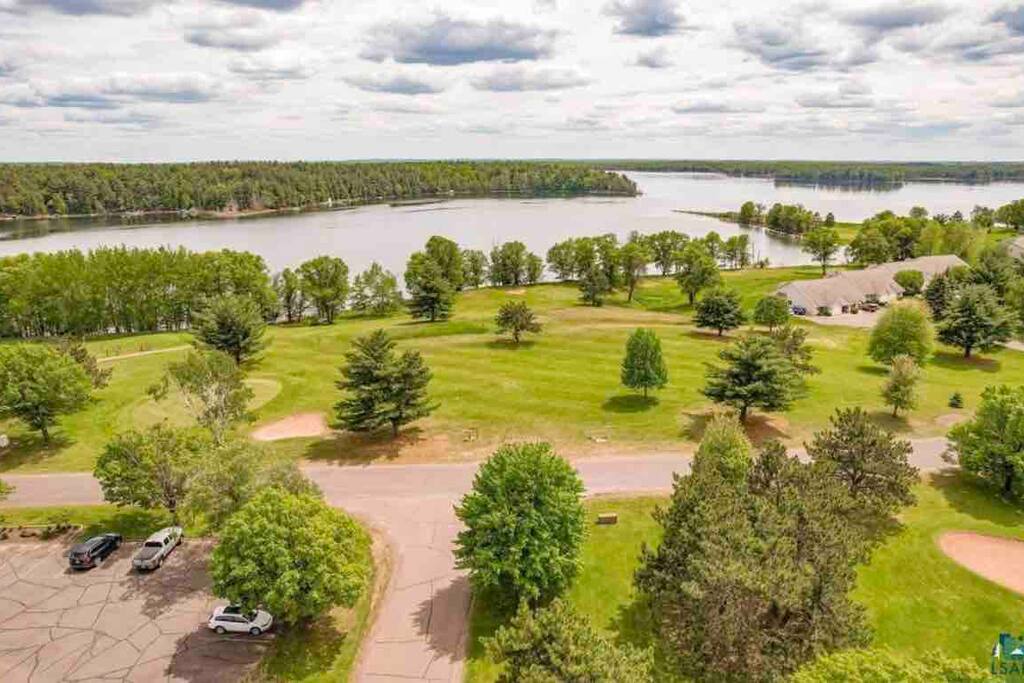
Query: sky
[{"x": 177, "y": 80}]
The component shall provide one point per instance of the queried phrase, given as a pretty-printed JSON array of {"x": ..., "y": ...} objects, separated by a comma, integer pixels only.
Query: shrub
[
  {"x": 912, "y": 281},
  {"x": 956, "y": 400}
]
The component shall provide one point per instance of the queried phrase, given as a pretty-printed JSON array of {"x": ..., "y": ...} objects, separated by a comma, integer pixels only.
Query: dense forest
[
  {"x": 78, "y": 189},
  {"x": 831, "y": 172}
]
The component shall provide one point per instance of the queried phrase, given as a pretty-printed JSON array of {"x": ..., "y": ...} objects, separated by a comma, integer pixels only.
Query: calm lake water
[{"x": 388, "y": 234}]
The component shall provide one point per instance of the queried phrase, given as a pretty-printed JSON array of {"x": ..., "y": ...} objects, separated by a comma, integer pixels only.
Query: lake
[{"x": 388, "y": 234}]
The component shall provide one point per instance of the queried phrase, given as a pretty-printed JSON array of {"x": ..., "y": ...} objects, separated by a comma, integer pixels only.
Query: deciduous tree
[
  {"x": 291, "y": 554},
  {"x": 822, "y": 244},
  {"x": 903, "y": 330},
  {"x": 38, "y": 384},
  {"x": 324, "y": 282},
  {"x": 525, "y": 525},
  {"x": 515, "y": 317},
  {"x": 150, "y": 469},
  {"x": 633, "y": 259},
  {"x": 991, "y": 444},
  {"x": 643, "y": 367},
  {"x": 697, "y": 269},
  {"x": 772, "y": 311},
  {"x": 289, "y": 293},
  {"x": 900, "y": 390},
  {"x": 212, "y": 387},
  {"x": 375, "y": 291},
  {"x": 719, "y": 310}
]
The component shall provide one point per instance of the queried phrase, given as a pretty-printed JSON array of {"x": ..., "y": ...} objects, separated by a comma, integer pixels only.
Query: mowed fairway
[
  {"x": 561, "y": 385},
  {"x": 917, "y": 600}
]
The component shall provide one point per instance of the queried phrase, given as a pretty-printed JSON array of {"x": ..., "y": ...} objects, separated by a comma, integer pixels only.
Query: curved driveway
[{"x": 421, "y": 625}]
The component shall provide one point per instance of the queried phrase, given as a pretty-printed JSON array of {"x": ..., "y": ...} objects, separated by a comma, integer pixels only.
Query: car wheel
[
  {"x": 255, "y": 631},
  {"x": 160, "y": 563},
  {"x": 219, "y": 630}
]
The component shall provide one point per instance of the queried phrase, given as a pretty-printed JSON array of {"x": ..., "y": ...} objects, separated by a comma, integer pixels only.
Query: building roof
[{"x": 854, "y": 286}]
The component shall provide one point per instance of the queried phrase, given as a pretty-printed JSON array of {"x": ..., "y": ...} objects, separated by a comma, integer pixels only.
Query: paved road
[{"x": 420, "y": 630}]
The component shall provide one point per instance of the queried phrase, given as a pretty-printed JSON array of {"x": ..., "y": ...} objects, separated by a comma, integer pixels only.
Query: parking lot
[{"x": 110, "y": 622}]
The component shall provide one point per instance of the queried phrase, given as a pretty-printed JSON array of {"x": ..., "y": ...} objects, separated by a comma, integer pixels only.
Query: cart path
[
  {"x": 420, "y": 630},
  {"x": 136, "y": 354}
]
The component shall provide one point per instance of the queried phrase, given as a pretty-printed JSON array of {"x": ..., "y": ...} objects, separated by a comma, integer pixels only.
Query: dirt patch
[
  {"x": 516, "y": 292},
  {"x": 950, "y": 419},
  {"x": 1000, "y": 560},
  {"x": 293, "y": 427}
]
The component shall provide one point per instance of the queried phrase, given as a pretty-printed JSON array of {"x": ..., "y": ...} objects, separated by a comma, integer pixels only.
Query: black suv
[{"x": 87, "y": 554}]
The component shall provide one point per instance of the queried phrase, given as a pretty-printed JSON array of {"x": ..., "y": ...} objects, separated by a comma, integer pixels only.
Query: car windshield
[
  {"x": 251, "y": 616},
  {"x": 154, "y": 544}
]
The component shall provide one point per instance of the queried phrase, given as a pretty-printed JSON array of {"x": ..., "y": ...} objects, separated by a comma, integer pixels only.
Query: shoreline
[{"x": 329, "y": 205}]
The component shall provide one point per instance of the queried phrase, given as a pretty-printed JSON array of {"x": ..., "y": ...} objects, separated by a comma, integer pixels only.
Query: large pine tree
[{"x": 383, "y": 388}]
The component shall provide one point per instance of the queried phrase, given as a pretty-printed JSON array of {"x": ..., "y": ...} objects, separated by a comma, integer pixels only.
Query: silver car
[{"x": 157, "y": 547}]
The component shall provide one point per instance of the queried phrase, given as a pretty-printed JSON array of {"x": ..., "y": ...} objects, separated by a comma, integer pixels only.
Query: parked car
[
  {"x": 799, "y": 310},
  {"x": 869, "y": 306},
  {"x": 231, "y": 619},
  {"x": 88, "y": 554},
  {"x": 157, "y": 547}
]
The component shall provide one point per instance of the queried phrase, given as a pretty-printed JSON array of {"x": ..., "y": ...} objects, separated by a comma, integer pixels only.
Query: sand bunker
[
  {"x": 292, "y": 427},
  {"x": 1000, "y": 560}
]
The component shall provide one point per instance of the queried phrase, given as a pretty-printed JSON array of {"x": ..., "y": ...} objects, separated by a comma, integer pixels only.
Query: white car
[
  {"x": 157, "y": 547},
  {"x": 231, "y": 619}
]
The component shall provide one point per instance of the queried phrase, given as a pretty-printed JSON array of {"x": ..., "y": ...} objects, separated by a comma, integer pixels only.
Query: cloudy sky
[{"x": 149, "y": 80}]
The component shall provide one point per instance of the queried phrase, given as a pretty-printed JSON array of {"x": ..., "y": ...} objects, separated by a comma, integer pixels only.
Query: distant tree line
[
  {"x": 74, "y": 189},
  {"x": 830, "y": 172}
]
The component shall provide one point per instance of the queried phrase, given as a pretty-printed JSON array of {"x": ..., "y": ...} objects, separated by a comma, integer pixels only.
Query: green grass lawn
[
  {"x": 917, "y": 599},
  {"x": 561, "y": 385}
]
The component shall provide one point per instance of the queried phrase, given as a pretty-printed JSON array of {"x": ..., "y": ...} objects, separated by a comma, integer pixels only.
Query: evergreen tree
[
  {"x": 975, "y": 320},
  {"x": 755, "y": 374},
  {"x": 870, "y": 462},
  {"x": 430, "y": 295},
  {"x": 643, "y": 367},
  {"x": 231, "y": 324},
  {"x": 720, "y": 310},
  {"x": 383, "y": 389}
]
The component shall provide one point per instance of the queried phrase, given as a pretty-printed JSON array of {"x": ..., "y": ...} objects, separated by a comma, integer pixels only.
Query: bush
[
  {"x": 904, "y": 329},
  {"x": 558, "y": 644},
  {"x": 292, "y": 555},
  {"x": 912, "y": 281},
  {"x": 525, "y": 524},
  {"x": 882, "y": 666},
  {"x": 956, "y": 400}
]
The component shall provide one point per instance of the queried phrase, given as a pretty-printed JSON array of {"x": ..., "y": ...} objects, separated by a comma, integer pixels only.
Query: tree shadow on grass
[
  {"x": 974, "y": 497},
  {"x": 305, "y": 650},
  {"x": 634, "y": 625},
  {"x": 28, "y": 448},
  {"x": 629, "y": 403},
  {"x": 886, "y": 420},
  {"x": 352, "y": 448},
  {"x": 956, "y": 361},
  {"x": 874, "y": 370},
  {"x": 505, "y": 344},
  {"x": 710, "y": 335}
]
